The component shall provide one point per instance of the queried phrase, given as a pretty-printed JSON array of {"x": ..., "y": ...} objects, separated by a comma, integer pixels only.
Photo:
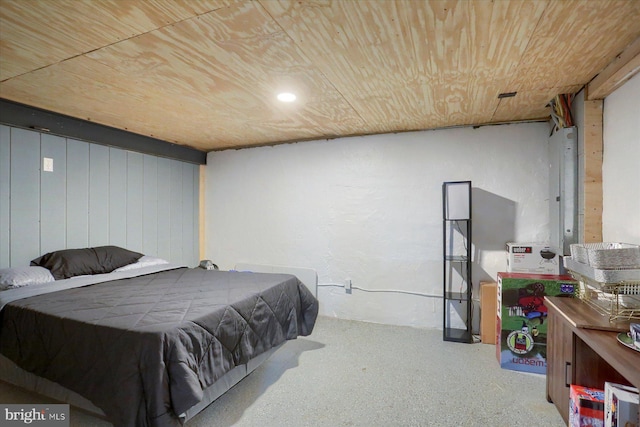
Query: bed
[{"x": 150, "y": 345}]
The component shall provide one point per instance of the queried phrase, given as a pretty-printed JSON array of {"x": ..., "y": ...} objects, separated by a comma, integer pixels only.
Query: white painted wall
[
  {"x": 369, "y": 209},
  {"x": 621, "y": 164}
]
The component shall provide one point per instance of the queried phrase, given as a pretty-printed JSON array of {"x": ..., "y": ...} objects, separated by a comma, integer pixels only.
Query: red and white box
[{"x": 586, "y": 406}]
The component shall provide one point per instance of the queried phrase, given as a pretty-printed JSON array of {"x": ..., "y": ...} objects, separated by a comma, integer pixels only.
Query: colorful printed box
[
  {"x": 521, "y": 335},
  {"x": 586, "y": 406}
]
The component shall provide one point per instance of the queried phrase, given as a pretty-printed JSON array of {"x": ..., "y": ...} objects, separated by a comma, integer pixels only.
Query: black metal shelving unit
[{"x": 456, "y": 250}]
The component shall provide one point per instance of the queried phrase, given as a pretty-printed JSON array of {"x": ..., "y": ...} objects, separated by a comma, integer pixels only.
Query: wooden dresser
[{"x": 582, "y": 349}]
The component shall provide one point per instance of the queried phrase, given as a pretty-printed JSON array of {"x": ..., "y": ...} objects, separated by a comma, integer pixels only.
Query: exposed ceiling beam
[
  {"x": 27, "y": 117},
  {"x": 614, "y": 75}
]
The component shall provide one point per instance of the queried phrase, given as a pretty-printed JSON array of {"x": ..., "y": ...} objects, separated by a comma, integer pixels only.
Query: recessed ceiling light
[{"x": 286, "y": 97}]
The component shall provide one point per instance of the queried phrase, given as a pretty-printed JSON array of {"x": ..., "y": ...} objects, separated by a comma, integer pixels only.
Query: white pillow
[
  {"x": 145, "y": 261},
  {"x": 11, "y": 278}
]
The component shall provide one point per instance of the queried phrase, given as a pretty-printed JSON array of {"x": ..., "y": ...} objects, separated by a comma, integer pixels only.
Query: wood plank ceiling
[{"x": 206, "y": 73}]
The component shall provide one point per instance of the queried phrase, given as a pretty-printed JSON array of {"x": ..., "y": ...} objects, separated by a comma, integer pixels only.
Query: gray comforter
[{"x": 143, "y": 349}]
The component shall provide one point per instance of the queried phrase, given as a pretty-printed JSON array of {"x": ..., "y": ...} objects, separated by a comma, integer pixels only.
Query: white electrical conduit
[{"x": 394, "y": 291}]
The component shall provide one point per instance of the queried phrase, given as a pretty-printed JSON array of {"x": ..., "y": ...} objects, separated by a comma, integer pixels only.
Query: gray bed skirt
[{"x": 12, "y": 374}]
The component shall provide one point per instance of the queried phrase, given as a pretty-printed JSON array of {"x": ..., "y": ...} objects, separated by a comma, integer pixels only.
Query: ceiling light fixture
[{"x": 286, "y": 97}]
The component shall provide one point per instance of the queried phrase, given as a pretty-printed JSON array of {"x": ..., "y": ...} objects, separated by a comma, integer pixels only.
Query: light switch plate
[{"x": 47, "y": 164}]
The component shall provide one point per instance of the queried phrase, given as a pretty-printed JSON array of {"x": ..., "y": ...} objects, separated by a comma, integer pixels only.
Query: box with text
[
  {"x": 521, "y": 335},
  {"x": 537, "y": 258}
]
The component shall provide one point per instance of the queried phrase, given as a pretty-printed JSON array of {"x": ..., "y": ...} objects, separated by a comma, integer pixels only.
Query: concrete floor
[{"x": 351, "y": 373}]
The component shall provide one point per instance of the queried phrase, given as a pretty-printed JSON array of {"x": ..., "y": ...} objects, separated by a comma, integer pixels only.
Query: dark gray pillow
[{"x": 77, "y": 262}]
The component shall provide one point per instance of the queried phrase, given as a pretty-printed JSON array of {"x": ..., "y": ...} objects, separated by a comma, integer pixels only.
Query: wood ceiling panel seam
[
  {"x": 299, "y": 25},
  {"x": 309, "y": 59},
  {"x": 568, "y": 29},
  {"x": 363, "y": 67},
  {"x": 116, "y": 69},
  {"x": 515, "y": 84},
  {"x": 132, "y": 36}
]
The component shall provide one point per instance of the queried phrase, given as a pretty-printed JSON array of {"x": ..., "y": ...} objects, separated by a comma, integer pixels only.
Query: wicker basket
[{"x": 607, "y": 255}]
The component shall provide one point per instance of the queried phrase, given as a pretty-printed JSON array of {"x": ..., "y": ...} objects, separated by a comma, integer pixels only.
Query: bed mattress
[{"x": 143, "y": 349}]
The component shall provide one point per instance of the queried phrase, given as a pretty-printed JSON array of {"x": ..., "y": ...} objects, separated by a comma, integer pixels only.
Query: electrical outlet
[{"x": 347, "y": 286}]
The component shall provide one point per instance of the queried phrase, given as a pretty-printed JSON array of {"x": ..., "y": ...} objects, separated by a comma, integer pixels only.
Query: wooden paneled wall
[
  {"x": 96, "y": 195},
  {"x": 593, "y": 146}
]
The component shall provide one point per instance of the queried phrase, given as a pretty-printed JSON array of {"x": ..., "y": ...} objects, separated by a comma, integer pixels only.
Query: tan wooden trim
[
  {"x": 201, "y": 212},
  {"x": 621, "y": 69},
  {"x": 593, "y": 171}
]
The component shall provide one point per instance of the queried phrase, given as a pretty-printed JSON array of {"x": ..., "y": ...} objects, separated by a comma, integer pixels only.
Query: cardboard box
[
  {"x": 488, "y": 309},
  {"x": 586, "y": 406},
  {"x": 537, "y": 258},
  {"x": 521, "y": 332},
  {"x": 620, "y": 405}
]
